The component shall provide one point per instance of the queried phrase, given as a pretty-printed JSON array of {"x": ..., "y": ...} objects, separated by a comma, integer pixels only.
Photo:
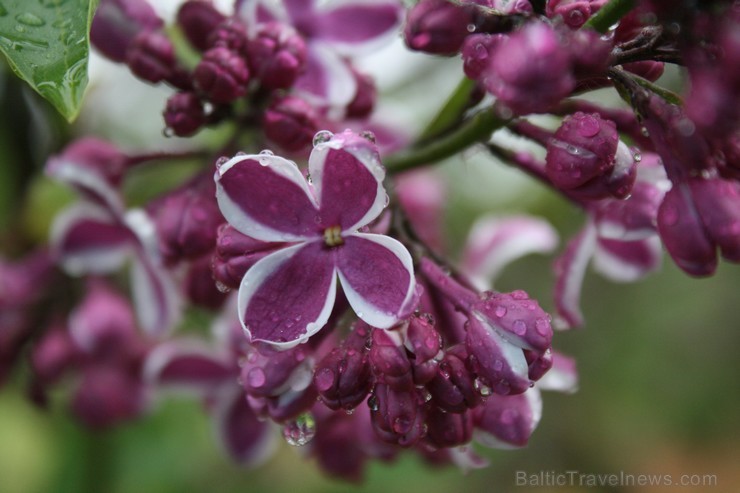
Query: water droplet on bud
[
  {"x": 368, "y": 135},
  {"x": 300, "y": 431},
  {"x": 321, "y": 137}
]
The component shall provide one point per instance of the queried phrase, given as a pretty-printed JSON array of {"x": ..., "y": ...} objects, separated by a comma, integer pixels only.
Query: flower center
[{"x": 333, "y": 236}]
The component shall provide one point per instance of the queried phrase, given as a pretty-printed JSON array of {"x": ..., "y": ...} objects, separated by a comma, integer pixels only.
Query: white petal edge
[
  {"x": 364, "y": 310},
  {"x": 156, "y": 299},
  {"x": 85, "y": 180},
  {"x": 616, "y": 269},
  {"x": 258, "y": 273},
  {"x": 568, "y": 301},
  {"x": 241, "y": 221}
]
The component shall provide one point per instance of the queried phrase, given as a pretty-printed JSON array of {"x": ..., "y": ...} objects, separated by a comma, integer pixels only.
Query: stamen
[{"x": 333, "y": 236}]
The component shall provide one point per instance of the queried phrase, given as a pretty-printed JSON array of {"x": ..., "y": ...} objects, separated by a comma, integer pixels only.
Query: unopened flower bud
[
  {"x": 573, "y": 12},
  {"x": 399, "y": 417},
  {"x": 477, "y": 51},
  {"x": 453, "y": 387},
  {"x": 291, "y": 123},
  {"x": 151, "y": 57},
  {"x": 184, "y": 114},
  {"x": 718, "y": 203},
  {"x": 389, "y": 361},
  {"x": 231, "y": 35},
  {"x": 364, "y": 101},
  {"x": 277, "y": 55},
  {"x": 343, "y": 377},
  {"x": 222, "y": 75},
  {"x": 424, "y": 343},
  {"x": 200, "y": 287},
  {"x": 448, "y": 429},
  {"x": 268, "y": 372},
  {"x": 505, "y": 421},
  {"x": 198, "y": 19},
  {"x": 117, "y": 22},
  {"x": 517, "y": 318},
  {"x": 437, "y": 26}
]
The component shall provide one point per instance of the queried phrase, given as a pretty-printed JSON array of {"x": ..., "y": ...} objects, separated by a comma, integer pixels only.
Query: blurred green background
[{"x": 658, "y": 364}]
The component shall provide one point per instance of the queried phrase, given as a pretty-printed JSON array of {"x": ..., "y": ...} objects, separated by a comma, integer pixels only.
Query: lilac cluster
[{"x": 334, "y": 306}]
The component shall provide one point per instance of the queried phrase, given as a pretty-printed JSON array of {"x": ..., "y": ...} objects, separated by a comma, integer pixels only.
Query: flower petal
[
  {"x": 266, "y": 197},
  {"x": 570, "y": 268},
  {"x": 327, "y": 79},
  {"x": 508, "y": 421},
  {"x": 562, "y": 377},
  {"x": 352, "y": 25},
  {"x": 494, "y": 242},
  {"x": 188, "y": 364},
  {"x": 247, "y": 439},
  {"x": 288, "y": 296},
  {"x": 87, "y": 239},
  {"x": 627, "y": 261},
  {"x": 348, "y": 181},
  {"x": 156, "y": 299},
  {"x": 377, "y": 277}
]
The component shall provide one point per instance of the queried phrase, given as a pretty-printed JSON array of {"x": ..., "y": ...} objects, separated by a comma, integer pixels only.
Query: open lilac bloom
[
  {"x": 288, "y": 296},
  {"x": 331, "y": 30}
]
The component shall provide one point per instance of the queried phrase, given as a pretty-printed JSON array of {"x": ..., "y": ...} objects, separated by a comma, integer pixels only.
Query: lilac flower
[
  {"x": 287, "y": 296},
  {"x": 116, "y": 24},
  {"x": 332, "y": 30}
]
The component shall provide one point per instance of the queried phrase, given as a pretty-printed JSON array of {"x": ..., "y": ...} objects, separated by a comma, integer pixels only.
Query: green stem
[
  {"x": 452, "y": 111},
  {"x": 609, "y": 14},
  {"x": 477, "y": 128}
]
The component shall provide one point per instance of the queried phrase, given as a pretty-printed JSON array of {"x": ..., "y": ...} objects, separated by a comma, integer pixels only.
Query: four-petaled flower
[{"x": 288, "y": 296}]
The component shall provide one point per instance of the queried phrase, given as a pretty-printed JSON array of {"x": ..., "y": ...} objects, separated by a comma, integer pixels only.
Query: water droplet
[
  {"x": 266, "y": 152},
  {"x": 360, "y": 314},
  {"x": 264, "y": 161},
  {"x": 588, "y": 126},
  {"x": 368, "y": 135},
  {"x": 500, "y": 311},
  {"x": 482, "y": 388},
  {"x": 644, "y": 131},
  {"x": 324, "y": 379},
  {"x": 498, "y": 365},
  {"x": 372, "y": 403},
  {"x": 519, "y": 327},
  {"x": 168, "y": 132},
  {"x": 349, "y": 412},
  {"x": 471, "y": 28},
  {"x": 256, "y": 378},
  {"x": 386, "y": 201},
  {"x": 542, "y": 326},
  {"x": 300, "y": 431},
  {"x": 321, "y": 137},
  {"x": 30, "y": 19},
  {"x": 222, "y": 288},
  {"x": 636, "y": 155}
]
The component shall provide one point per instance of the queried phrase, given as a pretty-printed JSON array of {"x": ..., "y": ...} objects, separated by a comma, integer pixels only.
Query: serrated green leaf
[{"x": 47, "y": 44}]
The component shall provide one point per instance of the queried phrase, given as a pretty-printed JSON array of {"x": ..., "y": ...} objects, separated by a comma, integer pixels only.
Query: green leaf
[{"x": 47, "y": 43}]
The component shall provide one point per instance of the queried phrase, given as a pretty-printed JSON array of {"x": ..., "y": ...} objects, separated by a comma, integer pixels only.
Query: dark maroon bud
[
  {"x": 590, "y": 52},
  {"x": 277, "y": 55},
  {"x": 107, "y": 396},
  {"x": 116, "y": 24},
  {"x": 186, "y": 220},
  {"x": 198, "y": 19},
  {"x": 231, "y": 35},
  {"x": 151, "y": 56},
  {"x": 453, "y": 388},
  {"x": 399, "y": 417},
  {"x": 448, "y": 429},
  {"x": 235, "y": 254},
  {"x": 477, "y": 53},
  {"x": 437, "y": 26},
  {"x": 425, "y": 344},
  {"x": 539, "y": 363},
  {"x": 389, "y": 361},
  {"x": 267, "y": 372},
  {"x": 184, "y": 114},
  {"x": 718, "y": 203},
  {"x": 507, "y": 420},
  {"x": 291, "y": 123},
  {"x": 364, "y": 101},
  {"x": 222, "y": 75},
  {"x": 200, "y": 287},
  {"x": 574, "y": 13}
]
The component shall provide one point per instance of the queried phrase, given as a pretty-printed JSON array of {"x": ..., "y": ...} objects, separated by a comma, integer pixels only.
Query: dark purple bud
[
  {"x": 340, "y": 448},
  {"x": 477, "y": 52},
  {"x": 235, "y": 254},
  {"x": 200, "y": 287},
  {"x": 425, "y": 343},
  {"x": 291, "y": 123},
  {"x": 267, "y": 372},
  {"x": 517, "y": 318},
  {"x": 530, "y": 70},
  {"x": 437, "y": 26},
  {"x": 231, "y": 35},
  {"x": 184, "y": 114},
  {"x": 364, "y": 101},
  {"x": 116, "y": 24},
  {"x": 53, "y": 354},
  {"x": 151, "y": 57},
  {"x": 186, "y": 220},
  {"x": 590, "y": 52},
  {"x": 539, "y": 363},
  {"x": 399, "y": 417},
  {"x": 104, "y": 323},
  {"x": 454, "y": 387},
  {"x": 718, "y": 203},
  {"x": 448, "y": 429},
  {"x": 222, "y": 75},
  {"x": 683, "y": 234},
  {"x": 389, "y": 361},
  {"x": 198, "y": 19},
  {"x": 503, "y": 421},
  {"x": 277, "y": 55},
  {"x": 573, "y": 12},
  {"x": 107, "y": 396}
]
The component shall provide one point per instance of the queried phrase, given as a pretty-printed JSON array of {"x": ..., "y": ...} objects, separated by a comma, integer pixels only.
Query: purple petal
[
  {"x": 188, "y": 364},
  {"x": 267, "y": 198},
  {"x": 627, "y": 261},
  {"x": 570, "y": 268},
  {"x": 156, "y": 299},
  {"x": 508, "y": 421},
  {"x": 356, "y": 22},
  {"x": 562, "y": 377},
  {"x": 87, "y": 239},
  {"x": 248, "y": 440},
  {"x": 287, "y": 296},
  {"x": 327, "y": 78},
  {"x": 348, "y": 181},
  {"x": 495, "y": 242},
  {"x": 377, "y": 277}
]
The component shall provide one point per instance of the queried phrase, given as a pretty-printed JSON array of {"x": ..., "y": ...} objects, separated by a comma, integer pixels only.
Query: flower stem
[
  {"x": 451, "y": 112},
  {"x": 609, "y": 14},
  {"x": 477, "y": 128}
]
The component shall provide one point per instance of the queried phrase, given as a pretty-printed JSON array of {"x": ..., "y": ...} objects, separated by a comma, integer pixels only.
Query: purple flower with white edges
[
  {"x": 288, "y": 296},
  {"x": 332, "y": 30}
]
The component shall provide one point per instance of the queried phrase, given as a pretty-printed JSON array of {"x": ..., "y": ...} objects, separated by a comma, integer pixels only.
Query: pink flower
[{"x": 288, "y": 296}]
